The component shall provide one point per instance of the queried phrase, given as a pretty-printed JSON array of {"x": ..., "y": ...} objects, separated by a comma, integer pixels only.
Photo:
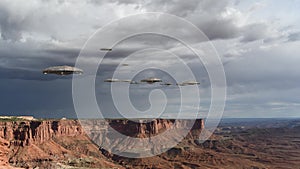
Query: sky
[{"x": 257, "y": 42}]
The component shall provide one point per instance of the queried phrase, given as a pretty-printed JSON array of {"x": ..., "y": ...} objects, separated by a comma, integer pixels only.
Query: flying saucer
[
  {"x": 112, "y": 80},
  {"x": 106, "y": 49},
  {"x": 186, "y": 83},
  {"x": 117, "y": 80},
  {"x": 62, "y": 70},
  {"x": 166, "y": 84},
  {"x": 151, "y": 80},
  {"x": 134, "y": 82}
]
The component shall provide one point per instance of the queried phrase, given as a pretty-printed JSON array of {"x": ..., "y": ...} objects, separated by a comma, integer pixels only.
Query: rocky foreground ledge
[{"x": 29, "y": 142}]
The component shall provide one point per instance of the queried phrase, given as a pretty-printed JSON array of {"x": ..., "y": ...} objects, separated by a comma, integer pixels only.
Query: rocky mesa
[
  {"x": 24, "y": 133},
  {"x": 33, "y": 143}
]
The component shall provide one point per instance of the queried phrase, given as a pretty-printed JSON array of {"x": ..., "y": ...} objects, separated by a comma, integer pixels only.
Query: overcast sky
[{"x": 257, "y": 41}]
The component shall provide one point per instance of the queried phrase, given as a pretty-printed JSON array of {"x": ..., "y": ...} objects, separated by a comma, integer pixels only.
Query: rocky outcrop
[
  {"x": 148, "y": 128},
  {"x": 31, "y": 143},
  {"x": 4, "y": 150},
  {"x": 24, "y": 133},
  {"x": 138, "y": 137}
]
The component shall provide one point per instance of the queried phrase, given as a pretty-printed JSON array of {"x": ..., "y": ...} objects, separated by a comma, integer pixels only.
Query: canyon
[
  {"x": 78, "y": 144},
  {"x": 32, "y": 143}
]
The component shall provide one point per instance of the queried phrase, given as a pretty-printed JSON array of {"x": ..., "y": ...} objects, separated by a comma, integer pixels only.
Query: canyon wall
[
  {"x": 148, "y": 128},
  {"x": 24, "y": 133},
  {"x": 147, "y": 137}
]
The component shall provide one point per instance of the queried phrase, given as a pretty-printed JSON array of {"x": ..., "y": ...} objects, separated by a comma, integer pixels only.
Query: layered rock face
[
  {"x": 141, "y": 138},
  {"x": 31, "y": 143},
  {"x": 24, "y": 133},
  {"x": 149, "y": 128},
  {"x": 48, "y": 144}
]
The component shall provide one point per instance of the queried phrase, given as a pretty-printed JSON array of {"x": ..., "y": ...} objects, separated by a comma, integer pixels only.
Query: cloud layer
[{"x": 258, "y": 48}]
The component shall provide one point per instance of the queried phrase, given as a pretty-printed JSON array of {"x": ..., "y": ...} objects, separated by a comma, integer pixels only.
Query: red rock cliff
[
  {"x": 22, "y": 133},
  {"x": 153, "y": 127}
]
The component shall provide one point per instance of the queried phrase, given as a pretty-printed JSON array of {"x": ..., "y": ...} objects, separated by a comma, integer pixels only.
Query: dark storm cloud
[
  {"x": 21, "y": 61},
  {"x": 65, "y": 53},
  {"x": 17, "y": 73},
  {"x": 39, "y": 34},
  {"x": 219, "y": 29},
  {"x": 217, "y": 19},
  {"x": 213, "y": 19},
  {"x": 254, "y": 32},
  {"x": 10, "y": 27},
  {"x": 180, "y": 8},
  {"x": 27, "y": 74},
  {"x": 42, "y": 99},
  {"x": 177, "y": 7},
  {"x": 294, "y": 37}
]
